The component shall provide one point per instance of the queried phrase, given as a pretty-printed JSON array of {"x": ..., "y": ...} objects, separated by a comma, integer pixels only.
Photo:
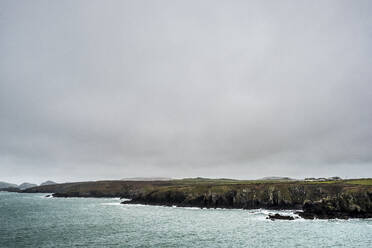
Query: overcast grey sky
[{"x": 241, "y": 89}]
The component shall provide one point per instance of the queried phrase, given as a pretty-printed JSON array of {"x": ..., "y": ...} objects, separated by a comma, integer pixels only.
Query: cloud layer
[{"x": 238, "y": 89}]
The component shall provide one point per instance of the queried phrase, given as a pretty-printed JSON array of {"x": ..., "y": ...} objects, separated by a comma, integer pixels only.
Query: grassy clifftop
[
  {"x": 256, "y": 192},
  {"x": 365, "y": 181}
]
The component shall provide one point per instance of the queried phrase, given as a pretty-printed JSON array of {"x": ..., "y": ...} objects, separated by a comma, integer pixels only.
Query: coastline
[{"x": 337, "y": 199}]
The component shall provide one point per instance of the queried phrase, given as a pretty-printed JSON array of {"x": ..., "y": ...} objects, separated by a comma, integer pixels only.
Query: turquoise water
[{"x": 32, "y": 220}]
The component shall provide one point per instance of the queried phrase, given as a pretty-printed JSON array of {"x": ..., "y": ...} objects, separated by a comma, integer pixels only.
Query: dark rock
[{"x": 280, "y": 217}]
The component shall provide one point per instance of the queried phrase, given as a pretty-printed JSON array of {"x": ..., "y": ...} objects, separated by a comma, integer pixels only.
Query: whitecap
[{"x": 111, "y": 203}]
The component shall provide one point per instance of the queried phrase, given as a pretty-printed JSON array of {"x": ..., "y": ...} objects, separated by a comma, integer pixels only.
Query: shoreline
[
  {"x": 323, "y": 200},
  {"x": 300, "y": 212}
]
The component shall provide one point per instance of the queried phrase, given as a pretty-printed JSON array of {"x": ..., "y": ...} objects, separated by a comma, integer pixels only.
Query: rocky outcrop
[
  {"x": 343, "y": 206},
  {"x": 268, "y": 196},
  {"x": 280, "y": 217},
  {"x": 317, "y": 201}
]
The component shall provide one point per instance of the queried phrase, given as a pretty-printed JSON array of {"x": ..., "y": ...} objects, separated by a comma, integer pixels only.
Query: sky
[{"x": 93, "y": 90}]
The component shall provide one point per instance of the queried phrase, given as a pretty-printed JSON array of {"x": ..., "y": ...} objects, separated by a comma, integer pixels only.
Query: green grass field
[
  {"x": 367, "y": 181},
  {"x": 225, "y": 181}
]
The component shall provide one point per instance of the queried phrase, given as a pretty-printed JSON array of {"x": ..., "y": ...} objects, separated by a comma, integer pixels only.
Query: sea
[{"x": 34, "y": 220}]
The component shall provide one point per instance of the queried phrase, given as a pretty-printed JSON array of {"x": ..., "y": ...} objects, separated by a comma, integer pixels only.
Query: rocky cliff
[
  {"x": 343, "y": 206},
  {"x": 318, "y": 200},
  {"x": 269, "y": 196}
]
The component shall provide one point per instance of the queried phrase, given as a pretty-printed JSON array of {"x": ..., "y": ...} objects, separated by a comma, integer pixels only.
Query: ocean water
[{"x": 32, "y": 220}]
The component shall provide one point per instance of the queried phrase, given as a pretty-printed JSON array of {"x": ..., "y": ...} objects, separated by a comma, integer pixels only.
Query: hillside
[
  {"x": 48, "y": 183},
  {"x": 24, "y": 186},
  {"x": 4, "y": 185}
]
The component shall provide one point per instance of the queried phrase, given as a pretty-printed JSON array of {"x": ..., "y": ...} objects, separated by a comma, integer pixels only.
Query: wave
[{"x": 111, "y": 203}]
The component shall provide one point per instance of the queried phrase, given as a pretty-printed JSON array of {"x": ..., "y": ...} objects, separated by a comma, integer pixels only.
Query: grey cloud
[{"x": 184, "y": 88}]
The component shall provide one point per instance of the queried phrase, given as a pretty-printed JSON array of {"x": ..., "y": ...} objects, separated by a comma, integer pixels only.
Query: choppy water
[{"x": 31, "y": 220}]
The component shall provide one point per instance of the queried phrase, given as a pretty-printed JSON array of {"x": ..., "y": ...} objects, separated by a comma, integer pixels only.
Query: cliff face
[
  {"x": 345, "y": 205},
  {"x": 269, "y": 196},
  {"x": 318, "y": 200}
]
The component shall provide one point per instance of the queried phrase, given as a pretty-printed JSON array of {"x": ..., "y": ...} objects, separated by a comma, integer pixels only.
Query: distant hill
[
  {"x": 10, "y": 189},
  {"x": 277, "y": 178},
  {"x": 147, "y": 179},
  {"x": 4, "y": 185},
  {"x": 26, "y": 186},
  {"x": 48, "y": 183}
]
